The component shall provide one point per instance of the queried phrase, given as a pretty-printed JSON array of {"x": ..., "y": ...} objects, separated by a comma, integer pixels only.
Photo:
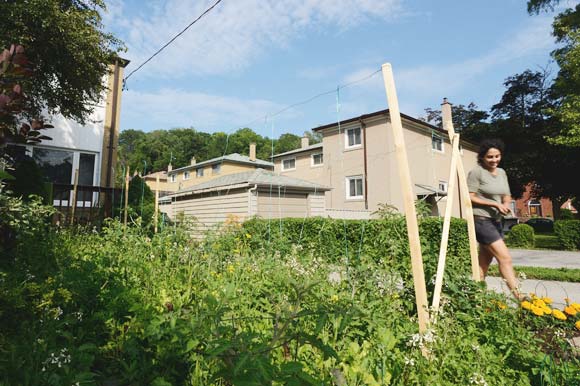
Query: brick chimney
[
  {"x": 192, "y": 162},
  {"x": 253, "y": 151},
  {"x": 304, "y": 142},
  {"x": 169, "y": 167}
]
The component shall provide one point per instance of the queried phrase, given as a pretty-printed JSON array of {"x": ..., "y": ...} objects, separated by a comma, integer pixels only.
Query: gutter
[{"x": 364, "y": 134}]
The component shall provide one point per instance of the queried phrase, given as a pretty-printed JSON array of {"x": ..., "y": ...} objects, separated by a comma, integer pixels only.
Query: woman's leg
[
  {"x": 485, "y": 259},
  {"x": 506, "y": 268}
]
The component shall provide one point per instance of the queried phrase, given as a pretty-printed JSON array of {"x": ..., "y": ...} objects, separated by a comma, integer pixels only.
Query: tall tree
[
  {"x": 67, "y": 50},
  {"x": 468, "y": 120}
]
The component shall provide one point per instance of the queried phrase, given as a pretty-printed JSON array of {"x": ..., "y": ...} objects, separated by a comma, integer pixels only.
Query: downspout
[
  {"x": 250, "y": 191},
  {"x": 364, "y": 135},
  {"x": 113, "y": 123}
]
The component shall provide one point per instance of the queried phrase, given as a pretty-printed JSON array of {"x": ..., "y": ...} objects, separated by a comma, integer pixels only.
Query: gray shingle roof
[
  {"x": 260, "y": 177},
  {"x": 234, "y": 157},
  {"x": 300, "y": 150}
]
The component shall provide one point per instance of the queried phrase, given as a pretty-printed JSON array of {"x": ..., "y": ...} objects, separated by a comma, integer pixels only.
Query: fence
[{"x": 91, "y": 204}]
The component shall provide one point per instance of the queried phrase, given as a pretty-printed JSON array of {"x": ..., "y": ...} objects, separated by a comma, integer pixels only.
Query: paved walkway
[
  {"x": 557, "y": 290},
  {"x": 546, "y": 258}
]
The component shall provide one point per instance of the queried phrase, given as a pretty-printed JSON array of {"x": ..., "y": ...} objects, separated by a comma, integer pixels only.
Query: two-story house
[
  {"x": 357, "y": 160},
  {"x": 199, "y": 172}
]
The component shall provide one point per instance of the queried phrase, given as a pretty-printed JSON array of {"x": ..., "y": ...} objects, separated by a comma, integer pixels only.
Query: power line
[{"x": 172, "y": 40}]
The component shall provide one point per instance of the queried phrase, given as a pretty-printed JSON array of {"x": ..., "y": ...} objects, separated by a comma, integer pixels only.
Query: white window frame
[
  {"x": 285, "y": 169},
  {"x": 186, "y": 175},
  {"x": 356, "y": 145},
  {"x": 173, "y": 177},
  {"x": 216, "y": 169},
  {"x": 433, "y": 136},
  {"x": 445, "y": 185},
  {"x": 347, "y": 185},
  {"x": 198, "y": 172},
  {"x": 315, "y": 165}
]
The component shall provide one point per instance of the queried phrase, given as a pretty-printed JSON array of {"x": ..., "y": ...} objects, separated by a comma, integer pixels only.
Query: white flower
[
  {"x": 409, "y": 362},
  {"x": 475, "y": 347},
  {"x": 522, "y": 276},
  {"x": 477, "y": 379},
  {"x": 334, "y": 278}
]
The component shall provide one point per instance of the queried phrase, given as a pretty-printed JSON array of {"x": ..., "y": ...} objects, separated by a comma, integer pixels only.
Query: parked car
[{"x": 541, "y": 224}]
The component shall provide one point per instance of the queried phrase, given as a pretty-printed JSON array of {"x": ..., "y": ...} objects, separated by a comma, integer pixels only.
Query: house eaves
[
  {"x": 233, "y": 158},
  {"x": 316, "y": 146}
]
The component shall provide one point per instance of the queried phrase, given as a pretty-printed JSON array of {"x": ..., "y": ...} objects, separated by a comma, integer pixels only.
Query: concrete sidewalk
[
  {"x": 546, "y": 258},
  {"x": 557, "y": 290}
]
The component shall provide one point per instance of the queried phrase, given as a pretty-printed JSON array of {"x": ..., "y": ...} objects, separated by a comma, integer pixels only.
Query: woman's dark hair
[{"x": 486, "y": 144}]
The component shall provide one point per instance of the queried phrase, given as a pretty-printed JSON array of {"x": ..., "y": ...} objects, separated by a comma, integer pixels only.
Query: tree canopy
[{"x": 67, "y": 50}]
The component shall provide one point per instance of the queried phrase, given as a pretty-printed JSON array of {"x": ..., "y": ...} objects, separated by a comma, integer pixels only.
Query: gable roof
[
  {"x": 259, "y": 177},
  {"x": 234, "y": 157},
  {"x": 299, "y": 150}
]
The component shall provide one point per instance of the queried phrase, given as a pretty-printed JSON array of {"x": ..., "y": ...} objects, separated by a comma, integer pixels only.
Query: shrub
[
  {"x": 521, "y": 235},
  {"x": 566, "y": 214},
  {"x": 568, "y": 233}
]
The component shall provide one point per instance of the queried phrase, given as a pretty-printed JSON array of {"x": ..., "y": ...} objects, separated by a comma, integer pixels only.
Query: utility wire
[{"x": 172, "y": 40}]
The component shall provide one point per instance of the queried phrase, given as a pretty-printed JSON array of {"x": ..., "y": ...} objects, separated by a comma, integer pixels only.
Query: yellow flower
[
  {"x": 533, "y": 296},
  {"x": 576, "y": 306},
  {"x": 570, "y": 310},
  {"x": 231, "y": 268},
  {"x": 547, "y": 300},
  {"x": 539, "y": 303},
  {"x": 334, "y": 298},
  {"x": 537, "y": 311},
  {"x": 559, "y": 315},
  {"x": 547, "y": 310},
  {"x": 502, "y": 306},
  {"x": 526, "y": 305},
  {"x": 577, "y": 325},
  {"x": 248, "y": 236}
]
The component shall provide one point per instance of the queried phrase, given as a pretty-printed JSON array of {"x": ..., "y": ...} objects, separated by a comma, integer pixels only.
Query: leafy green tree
[
  {"x": 468, "y": 120},
  {"x": 566, "y": 30},
  {"x": 67, "y": 50}
]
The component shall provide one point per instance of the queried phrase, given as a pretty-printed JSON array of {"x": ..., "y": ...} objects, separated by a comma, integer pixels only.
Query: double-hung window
[
  {"x": 289, "y": 164},
  {"x": 173, "y": 177},
  {"x": 353, "y": 137},
  {"x": 437, "y": 143},
  {"x": 354, "y": 187},
  {"x": 186, "y": 175},
  {"x": 199, "y": 172},
  {"x": 216, "y": 168},
  {"x": 317, "y": 159}
]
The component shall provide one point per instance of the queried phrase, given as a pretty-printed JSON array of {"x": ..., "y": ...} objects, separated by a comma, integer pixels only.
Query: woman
[{"x": 490, "y": 195}]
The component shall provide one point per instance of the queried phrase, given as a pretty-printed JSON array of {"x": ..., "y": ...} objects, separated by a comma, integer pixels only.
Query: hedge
[
  {"x": 568, "y": 233},
  {"x": 521, "y": 235},
  {"x": 346, "y": 241}
]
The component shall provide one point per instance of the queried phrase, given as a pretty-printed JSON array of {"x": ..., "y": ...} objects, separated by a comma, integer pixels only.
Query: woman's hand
[{"x": 503, "y": 209}]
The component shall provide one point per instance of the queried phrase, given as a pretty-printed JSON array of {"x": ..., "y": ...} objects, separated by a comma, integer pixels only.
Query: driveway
[{"x": 546, "y": 258}]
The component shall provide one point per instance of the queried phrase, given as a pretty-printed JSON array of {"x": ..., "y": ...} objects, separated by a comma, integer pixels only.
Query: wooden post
[
  {"x": 155, "y": 214},
  {"x": 464, "y": 190},
  {"x": 446, "y": 224},
  {"x": 74, "y": 197},
  {"x": 408, "y": 199},
  {"x": 126, "y": 196}
]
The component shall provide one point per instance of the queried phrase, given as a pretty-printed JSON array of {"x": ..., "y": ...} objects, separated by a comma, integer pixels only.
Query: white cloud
[
  {"x": 234, "y": 33},
  {"x": 177, "y": 108}
]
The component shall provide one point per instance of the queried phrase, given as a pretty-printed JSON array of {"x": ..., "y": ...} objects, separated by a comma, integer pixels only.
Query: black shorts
[{"x": 488, "y": 230}]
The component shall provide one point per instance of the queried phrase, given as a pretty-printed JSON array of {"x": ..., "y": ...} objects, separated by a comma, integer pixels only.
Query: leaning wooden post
[
  {"x": 446, "y": 224},
  {"x": 126, "y": 197},
  {"x": 156, "y": 213},
  {"x": 74, "y": 197},
  {"x": 464, "y": 199},
  {"x": 408, "y": 199}
]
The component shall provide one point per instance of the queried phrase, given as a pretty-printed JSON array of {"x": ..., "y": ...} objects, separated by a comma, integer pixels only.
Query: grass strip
[{"x": 541, "y": 273}]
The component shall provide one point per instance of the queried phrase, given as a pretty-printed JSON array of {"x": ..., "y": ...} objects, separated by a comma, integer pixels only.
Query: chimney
[
  {"x": 253, "y": 151},
  {"x": 192, "y": 162},
  {"x": 304, "y": 142},
  {"x": 169, "y": 167}
]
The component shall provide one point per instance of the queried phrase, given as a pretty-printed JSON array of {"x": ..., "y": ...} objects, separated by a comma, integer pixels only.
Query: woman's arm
[{"x": 503, "y": 208}]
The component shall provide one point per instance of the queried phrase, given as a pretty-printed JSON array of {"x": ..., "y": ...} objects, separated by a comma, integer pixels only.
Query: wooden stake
[
  {"x": 446, "y": 224},
  {"x": 74, "y": 198},
  {"x": 465, "y": 199},
  {"x": 155, "y": 214},
  {"x": 408, "y": 199},
  {"x": 126, "y": 196}
]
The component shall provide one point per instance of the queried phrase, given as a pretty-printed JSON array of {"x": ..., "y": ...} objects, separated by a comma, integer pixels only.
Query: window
[
  {"x": 216, "y": 169},
  {"x": 199, "y": 172},
  {"x": 186, "y": 175},
  {"x": 56, "y": 165},
  {"x": 317, "y": 159},
  {"x": 86, "y": 176},
  {"x": 442, "y": 186},
  {"x": 354, "y": 187},
  {"x": 436, "y": 143},
  {"x": 172, "y": 178},
  {"x": 353, "y": 137},
  {"x": 289, "y": 164}
]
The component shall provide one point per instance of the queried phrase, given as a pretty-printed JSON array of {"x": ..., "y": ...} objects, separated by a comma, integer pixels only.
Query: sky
[{"x": 249, "y": 59}]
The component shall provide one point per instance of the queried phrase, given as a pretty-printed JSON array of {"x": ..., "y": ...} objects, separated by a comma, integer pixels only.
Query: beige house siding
[
  {"x": 226, "y": 168},
  {"x": 210, "y": 209},
  {"x": 317, "y": 203},
  {"x": 277, "y": 205}
]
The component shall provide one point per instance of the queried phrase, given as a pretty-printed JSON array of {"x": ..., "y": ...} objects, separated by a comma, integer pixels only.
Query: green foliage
[
  {"x": 541, "y": 273},
  {"x": 241, "y": 308},
  {"x": 568, "y": 233},
  {"x": 566, "y": 214},
  {"x": 68, "y": 52},
  {"x": 521, "y": 236}
]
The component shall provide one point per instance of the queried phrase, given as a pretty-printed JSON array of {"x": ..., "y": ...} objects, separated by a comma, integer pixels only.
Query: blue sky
[{"x": 248, "y": 59}]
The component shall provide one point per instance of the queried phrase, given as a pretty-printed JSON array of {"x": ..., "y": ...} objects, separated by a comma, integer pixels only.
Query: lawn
[{"x": 540, "y": 273}]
